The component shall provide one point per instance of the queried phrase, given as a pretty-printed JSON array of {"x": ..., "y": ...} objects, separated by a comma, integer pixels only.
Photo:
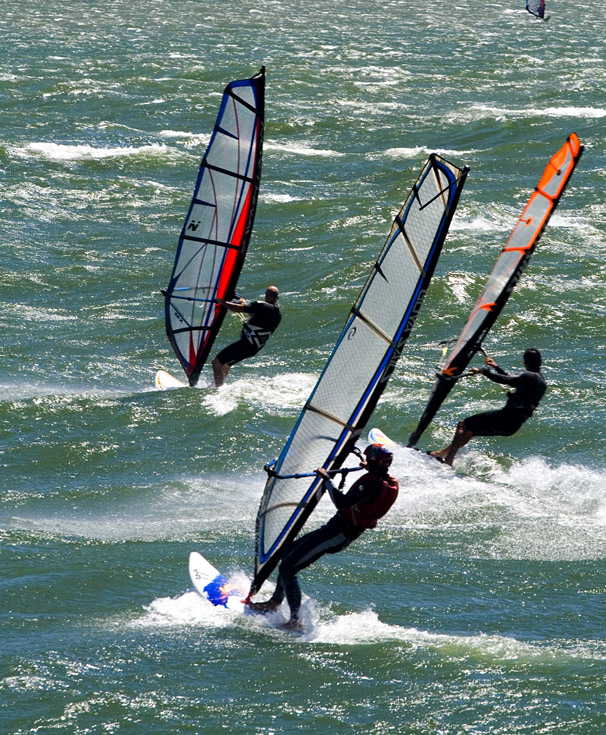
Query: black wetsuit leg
[
  {"x": 328, "y": 539},
  {"x": 503, "y": 422},
  {"x": 236, "y": 352}
]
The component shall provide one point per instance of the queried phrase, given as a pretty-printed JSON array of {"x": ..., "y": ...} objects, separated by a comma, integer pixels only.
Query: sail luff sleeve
[
  {"x": 506, "y": 273},
  {"x": 361, "y": 363}
]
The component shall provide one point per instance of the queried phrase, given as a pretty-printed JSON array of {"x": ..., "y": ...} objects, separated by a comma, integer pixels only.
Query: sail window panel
[
  {"x": 386, "y": 297},
  {"x": 192, "y": 311},
  {"x": 235, "y": 155},
  {"x": 181, "y": 338},
  {"x": 315, "y": 439},
  {"x": 282, "y": 510},
  {"x": 473, "y": 324},
  {"x": 245, "y": 92},
  {"x": 200, "y": 265},
  {"x": 423, "y": 223},
  {"x": 551, "y": 187},
  {"x": 228, "y": 193},
  {"x": 201, "y": 221},
  {"x": 237, "y": 120},
  {"x": 502, "y": 272},
  {"x": 232, "y": 151},
  {"x": 350, "y": 371}
]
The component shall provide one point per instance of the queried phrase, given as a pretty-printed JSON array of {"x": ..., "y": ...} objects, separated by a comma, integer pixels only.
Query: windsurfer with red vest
[{"x": 359, "y": 509}]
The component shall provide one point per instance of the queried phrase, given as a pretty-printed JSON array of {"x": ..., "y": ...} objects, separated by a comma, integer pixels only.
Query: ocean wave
[
  {"x": 203, "y": 138},
  {"x": 83, "y": 152},
  {"x": 279, "y": 198},
  {"x": 417, "y": 151},
  {"x": 321, "y": 626},
  {"x": 300, "y": 149},
  {"x": 366, "y": 628},
  {"x": 505, "y": 113}
]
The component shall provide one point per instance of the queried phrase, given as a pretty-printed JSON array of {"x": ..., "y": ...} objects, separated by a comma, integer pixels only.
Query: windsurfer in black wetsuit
[
  {"x": 529, "y": 388},
  {"x": 264, "y": 321},
  {"x": 367, "y": 500}
]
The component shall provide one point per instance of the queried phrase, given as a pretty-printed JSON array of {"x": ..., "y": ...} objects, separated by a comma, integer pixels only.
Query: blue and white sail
[
  {"x": 217, "y": 229},
  {"x": 361, "y": 363}
]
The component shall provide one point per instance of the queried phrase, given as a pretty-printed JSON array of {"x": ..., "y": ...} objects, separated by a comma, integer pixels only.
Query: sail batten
[
  {"x": 217, "y": 230},
  {"x": 361, "y": 363},
  {"x": 218, "y": 169},
  {"x": 505, "y": 274}
]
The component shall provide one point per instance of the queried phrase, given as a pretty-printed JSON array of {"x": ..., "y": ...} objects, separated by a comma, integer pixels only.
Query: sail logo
[{"x": 193, "y": 225}]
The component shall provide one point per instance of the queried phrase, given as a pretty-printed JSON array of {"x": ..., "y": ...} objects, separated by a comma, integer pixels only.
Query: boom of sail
[
  {"x": 361, "y": 363},
  {"x": 217, "y": 229},
  {"x": 506, "y": 272}
]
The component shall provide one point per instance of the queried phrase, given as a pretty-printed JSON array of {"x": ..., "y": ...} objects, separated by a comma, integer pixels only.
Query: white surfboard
[
  {"x": 376, "y": 436},
  {"x": 213, "y": 586},
  {"x": 166, "y": 381}
]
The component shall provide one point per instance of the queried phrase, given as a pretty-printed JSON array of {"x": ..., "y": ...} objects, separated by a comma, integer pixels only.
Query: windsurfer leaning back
[
  {"x": 359, "y": 509},
  {"x": 264, "y": 321},
  {"x": 529, "y": 388}
]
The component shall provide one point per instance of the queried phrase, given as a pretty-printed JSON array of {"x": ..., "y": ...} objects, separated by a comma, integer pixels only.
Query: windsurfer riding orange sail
[{"x": 507, "y": 271}]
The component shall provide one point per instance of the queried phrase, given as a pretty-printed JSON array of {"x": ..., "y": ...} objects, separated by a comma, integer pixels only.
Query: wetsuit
[
  {"x": 367, "y": 500},
  {"x": 529, "y": 387},
  {"x": 255, "y": 333}
]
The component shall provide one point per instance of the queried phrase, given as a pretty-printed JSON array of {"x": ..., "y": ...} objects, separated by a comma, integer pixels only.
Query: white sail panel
[{"x": 362, "y": 361}]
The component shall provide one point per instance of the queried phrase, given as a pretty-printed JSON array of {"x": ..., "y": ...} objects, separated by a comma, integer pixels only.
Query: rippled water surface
[{"x": 477, "y": 606}]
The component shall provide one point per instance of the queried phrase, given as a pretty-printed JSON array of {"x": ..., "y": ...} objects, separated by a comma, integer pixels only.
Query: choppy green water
[{"x": 478, "y": 605}]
